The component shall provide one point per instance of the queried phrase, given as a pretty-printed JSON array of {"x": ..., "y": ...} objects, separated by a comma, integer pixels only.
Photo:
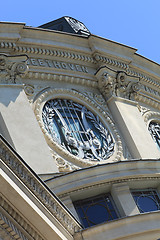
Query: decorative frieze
[
  {"x": 57, "y": 64},
  {"x": 37, "y": 187}
]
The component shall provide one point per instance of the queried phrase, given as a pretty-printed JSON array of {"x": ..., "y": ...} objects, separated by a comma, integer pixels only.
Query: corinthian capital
[
  {"x": 12, "y": 67},
  {"x": 115, "y": 83}
]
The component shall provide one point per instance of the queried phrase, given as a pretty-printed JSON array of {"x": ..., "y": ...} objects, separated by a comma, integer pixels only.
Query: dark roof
[{"x": 67, "y": 24}]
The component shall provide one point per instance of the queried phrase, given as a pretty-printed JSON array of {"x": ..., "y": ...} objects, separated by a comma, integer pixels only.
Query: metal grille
[
  {"x": 154, "y": 129},
  {"x": 147, "y": 200},
  {"x": 77, "y": 129},
  {"x": 96, "y": 210}
]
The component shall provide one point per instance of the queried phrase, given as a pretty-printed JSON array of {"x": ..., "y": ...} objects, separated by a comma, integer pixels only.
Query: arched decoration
[
  {"x": 152, "y": 120},
  {"x": 77, "y": 128}
]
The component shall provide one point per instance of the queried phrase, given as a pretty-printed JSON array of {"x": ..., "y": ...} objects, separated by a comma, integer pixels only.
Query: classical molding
[
  {"x": 126, "y": 68},
  {"x": 12, "y": 68},
  {"x": 95, "y": 108},
  {"x": 62, "y": 78},
  {"x": 37, "y": 187},
  {"x": 76, "y": 56},
  {"x": 110, "y": 182},
  {"x": 19, "y": 219},
  {"x": 110, "y": 61},
  {"x": 54, "y": 53},
  {"x": 13, "y": 231},
  {"x": 140, "y": 97}
]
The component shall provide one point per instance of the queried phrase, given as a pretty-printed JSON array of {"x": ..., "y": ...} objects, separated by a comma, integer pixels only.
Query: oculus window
[
  {"x": 147, "y": 200},
  {"x": 154, "y": 129},
  {"x": 99, "y": 209},
  {"x": 77, "y": 130}
]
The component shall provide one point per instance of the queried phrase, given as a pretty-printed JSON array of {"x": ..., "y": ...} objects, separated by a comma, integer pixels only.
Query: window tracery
[{"x": 77, "y": 129}]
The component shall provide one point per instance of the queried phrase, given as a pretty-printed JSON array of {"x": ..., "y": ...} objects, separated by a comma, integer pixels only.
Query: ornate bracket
[
  {"x": 117, "y": 83},
  {"x": 12, "y": 68}
]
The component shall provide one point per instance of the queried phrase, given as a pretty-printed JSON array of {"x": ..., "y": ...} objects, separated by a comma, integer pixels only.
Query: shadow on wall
[{"x": 4, "y": 131}]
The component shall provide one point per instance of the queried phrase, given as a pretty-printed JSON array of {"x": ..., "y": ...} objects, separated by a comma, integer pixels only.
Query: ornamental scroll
[
  {"x": 115, "y": 83},
  {"x": 77, "y": 130},
  {"x": 12, "y": 68}
]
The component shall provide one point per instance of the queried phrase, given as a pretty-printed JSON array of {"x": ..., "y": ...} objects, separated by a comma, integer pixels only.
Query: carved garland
[{"x": 82, "y": 99}]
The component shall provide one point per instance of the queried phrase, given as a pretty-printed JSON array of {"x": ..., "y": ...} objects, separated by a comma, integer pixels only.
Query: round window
[{"x": 77, "y": 129}]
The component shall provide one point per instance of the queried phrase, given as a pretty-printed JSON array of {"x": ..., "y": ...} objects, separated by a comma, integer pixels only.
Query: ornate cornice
[
  {"x": 127, "y": 69},
  {"x": 47, "y": 52},
  {"x": 37, "y": 187}
]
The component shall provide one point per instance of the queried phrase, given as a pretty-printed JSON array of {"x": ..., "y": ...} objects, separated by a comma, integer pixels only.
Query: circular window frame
[{"x": 90, "y": 105}]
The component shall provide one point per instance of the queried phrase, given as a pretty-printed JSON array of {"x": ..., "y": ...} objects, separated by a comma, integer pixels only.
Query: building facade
[{"x": 80, "y": 136}]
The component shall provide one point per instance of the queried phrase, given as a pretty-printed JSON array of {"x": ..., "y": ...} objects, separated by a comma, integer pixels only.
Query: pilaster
[{"x": 119, "y": 90}]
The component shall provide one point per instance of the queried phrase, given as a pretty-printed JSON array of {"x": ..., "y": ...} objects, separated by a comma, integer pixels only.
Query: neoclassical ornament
[
  {"x": 73, "y": 128},
  {"x": 117, "y": 83},
  {"x": 77, "y": 129},
  {"x": 12, "y": 67}
]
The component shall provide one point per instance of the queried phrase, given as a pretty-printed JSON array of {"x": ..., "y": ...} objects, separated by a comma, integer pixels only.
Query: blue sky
[{"x": 135, "y": 23}]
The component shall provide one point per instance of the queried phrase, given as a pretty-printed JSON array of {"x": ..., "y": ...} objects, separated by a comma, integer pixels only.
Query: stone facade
[{"x": 79, "y": 118}]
